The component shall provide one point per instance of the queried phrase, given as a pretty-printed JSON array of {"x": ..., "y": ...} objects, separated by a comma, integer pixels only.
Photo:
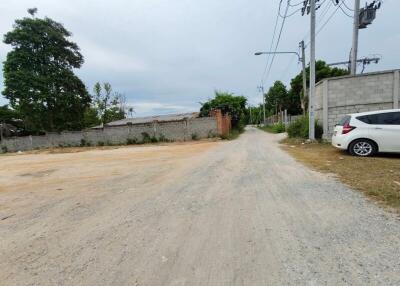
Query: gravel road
[{"x": 241, "y": 212}]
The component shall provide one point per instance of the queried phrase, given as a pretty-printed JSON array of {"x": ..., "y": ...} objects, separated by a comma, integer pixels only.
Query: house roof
[{"x": 148, "y": 119}]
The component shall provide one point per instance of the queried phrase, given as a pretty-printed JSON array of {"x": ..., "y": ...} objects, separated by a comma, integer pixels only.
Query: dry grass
[{"x": 378, "y": 177}]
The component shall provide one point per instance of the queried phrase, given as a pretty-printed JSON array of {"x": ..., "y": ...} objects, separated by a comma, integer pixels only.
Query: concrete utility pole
[
  {"x": 354, "y": 50},
  {"x": 263, "y": 96},
  {"x": 311, "y": 128},
  {"x": 303, "y": 61}
]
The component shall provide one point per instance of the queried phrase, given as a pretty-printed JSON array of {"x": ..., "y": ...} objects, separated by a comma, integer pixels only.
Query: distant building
[{"x": 149, "y": 119}]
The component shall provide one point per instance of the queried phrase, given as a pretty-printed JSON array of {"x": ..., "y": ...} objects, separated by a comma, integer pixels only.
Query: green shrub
[
  {"x": 131, "y": 141},
  {"x": 4, "y": 149},
  {"x": 83, "y": 142},
  {"x": 299, "y": 128},
  {"x": 146, "y": 137},
  {"x": 195, "y": 136},
  {"x": 211, "y": 134},
  {"x": 100, "y": 143},
  {"x": 278, "y": 128}
]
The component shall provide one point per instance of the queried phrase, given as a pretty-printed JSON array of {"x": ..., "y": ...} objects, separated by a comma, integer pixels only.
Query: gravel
[{"x": 239, "y": 212}]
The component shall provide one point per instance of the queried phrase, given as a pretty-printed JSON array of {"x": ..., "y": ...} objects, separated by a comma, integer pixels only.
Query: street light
[{"x": 272, "y": 53}]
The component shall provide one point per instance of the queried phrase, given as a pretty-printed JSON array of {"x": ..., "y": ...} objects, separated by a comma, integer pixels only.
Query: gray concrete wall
[
  {"x": 180, "y": 130},
  {"x": 336, "y": 97}
]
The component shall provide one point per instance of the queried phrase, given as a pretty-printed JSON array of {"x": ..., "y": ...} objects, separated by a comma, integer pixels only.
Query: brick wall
[
  {"x": 336, "y": 97},
  {"x": 224, "y": 122},
  {"x": 180, "y": 130}
]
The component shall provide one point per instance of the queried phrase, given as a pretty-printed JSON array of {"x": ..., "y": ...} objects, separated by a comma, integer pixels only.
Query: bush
[
  {"x": 299, "y": 128},
  {"x": 278, "y": 128},
  {"x": 195, "y": 136},
  {"x": 146, "y": 137},
  {"x": 131, "y": 141}
]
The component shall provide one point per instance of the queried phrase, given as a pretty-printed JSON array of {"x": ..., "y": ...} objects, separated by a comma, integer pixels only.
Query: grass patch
[
  {"x": 234, "y": 134},
  {"x": 377, "y": 177},
  {"x": 276, "y": 128}
]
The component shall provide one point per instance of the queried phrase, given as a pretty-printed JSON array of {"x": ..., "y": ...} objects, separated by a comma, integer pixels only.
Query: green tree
[
  {"x": 228, "y": 103},
  {"x": 322, "y": 70},
  {"x": 8, "y": 115},
  {"x": 276, "y": 98},
  {"x": 109, "y": 105},
  {"x": 38, "y": 75}
]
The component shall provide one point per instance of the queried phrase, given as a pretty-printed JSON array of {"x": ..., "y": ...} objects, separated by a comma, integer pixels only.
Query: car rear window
[
  {"x": 344, "y": 120},
  {"x": 387, "y": 118}
]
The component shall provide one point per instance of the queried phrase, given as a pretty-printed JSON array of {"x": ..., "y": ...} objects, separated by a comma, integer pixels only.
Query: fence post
[
  {"x": 325, "y": 122},
  {"x": 396, "y": 89}
]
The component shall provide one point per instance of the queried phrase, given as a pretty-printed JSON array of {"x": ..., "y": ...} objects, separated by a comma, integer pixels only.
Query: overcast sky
[{"x": 166, "y": 56}]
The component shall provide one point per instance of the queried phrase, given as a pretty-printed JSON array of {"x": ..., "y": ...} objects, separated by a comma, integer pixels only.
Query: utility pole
[
  {"x": 251, "y": 120},
  {"x": 354, "y": 49},
  {"x": 303, "y": 61},
  {"x": 311, "y": 128},
  {"x": 261, "y": 88}
]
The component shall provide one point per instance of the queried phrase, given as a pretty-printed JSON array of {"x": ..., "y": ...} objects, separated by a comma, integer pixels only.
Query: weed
[
  {"x": 195, "y": 136},
  {"x": 131, "y": 141}
]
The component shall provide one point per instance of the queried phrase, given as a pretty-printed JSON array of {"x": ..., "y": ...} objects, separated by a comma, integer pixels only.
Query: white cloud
[
  {"x": 99, "y": 57},
  {"x": 151, "y": 108}
]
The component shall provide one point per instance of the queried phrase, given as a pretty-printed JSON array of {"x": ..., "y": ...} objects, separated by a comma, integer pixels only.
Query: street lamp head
[{"x": 258, "y": 53}]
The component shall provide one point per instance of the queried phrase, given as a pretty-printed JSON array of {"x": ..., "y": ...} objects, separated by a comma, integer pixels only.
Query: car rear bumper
[{"x": 339, "y": 142}]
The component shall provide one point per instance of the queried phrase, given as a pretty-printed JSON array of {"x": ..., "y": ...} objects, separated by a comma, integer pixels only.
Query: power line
[
  {"x": 326, "y": 22},
  {"x": 345, "y": 5},
  {"x": 272, "y": 42},
  {"x": 344, "y": 12},
  {"x": 320, "y": 19},
  {"x": 279, "y": 38},
  {"x": 297, "y": 4},
  {"x": 291, "y": 14}
]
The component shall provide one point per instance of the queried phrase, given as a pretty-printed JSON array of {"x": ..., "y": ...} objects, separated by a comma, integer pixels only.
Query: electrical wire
[
  {"x": 344, "y": 12},
  {"x": 297, "y": 4},
  {"x": 327, "y": 21},
  {"x": 345, "y": 5},
  {"x": 291, "y": 14},
  {"x": 277, "y": 43},
  {"x": 272, "y": 43},
  {"x": 319, "y": 20}
]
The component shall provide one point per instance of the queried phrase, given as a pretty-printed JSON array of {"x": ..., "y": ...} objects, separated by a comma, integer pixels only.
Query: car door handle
[{"x": 378, "y": 128}]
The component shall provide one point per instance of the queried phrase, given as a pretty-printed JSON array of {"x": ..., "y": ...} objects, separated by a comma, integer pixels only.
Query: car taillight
[{"x": 347, "y": 128}]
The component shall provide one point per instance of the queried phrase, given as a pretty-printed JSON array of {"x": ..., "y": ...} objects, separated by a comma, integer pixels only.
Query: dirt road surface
[{"x": 241, "y": 212}]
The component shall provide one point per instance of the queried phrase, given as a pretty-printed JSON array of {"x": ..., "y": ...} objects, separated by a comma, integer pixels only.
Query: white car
[{"x": 364, "y": 134}]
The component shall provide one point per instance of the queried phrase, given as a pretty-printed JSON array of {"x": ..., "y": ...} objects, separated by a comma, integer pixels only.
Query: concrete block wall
[
  {"x": 336, "y": 97},
  {"x": 203, "y": 127},
  {"x": 180, "y": 130}
]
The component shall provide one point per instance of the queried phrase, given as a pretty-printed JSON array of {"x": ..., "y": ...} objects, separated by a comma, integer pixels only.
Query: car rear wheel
[{"x": 362, "y": 148}]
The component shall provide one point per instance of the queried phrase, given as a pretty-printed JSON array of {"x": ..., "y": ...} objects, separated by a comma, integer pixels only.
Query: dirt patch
[{"x": 378, "y": 177}]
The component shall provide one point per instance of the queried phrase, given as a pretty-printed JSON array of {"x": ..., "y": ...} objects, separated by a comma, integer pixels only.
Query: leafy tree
[
  {"x": 110, "y": 106},
  {"x": 38, "y": 75},
  {"x": 254, "y": 114},
  {"x": 10, "y": 122},
  {"x": 276, "y": 97},
  {"x": 91, "y": 118},
  {"x": 228, "y": 103},
  {"x": 8, "y": 115},
  {"x": 322, "y": 70}
]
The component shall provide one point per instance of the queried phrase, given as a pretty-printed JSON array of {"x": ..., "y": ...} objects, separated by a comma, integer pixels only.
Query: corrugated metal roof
[{"x": 148, "y": 119}]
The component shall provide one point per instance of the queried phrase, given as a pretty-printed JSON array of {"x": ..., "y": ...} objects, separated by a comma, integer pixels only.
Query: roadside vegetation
[
  {"x": 299, "y": 128},
  {"x": 291, "y": 98},
  {"x": 377, "y": 177},
  {"x": 228, "y": 103},
  {"x": 273, "y": 128}
]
